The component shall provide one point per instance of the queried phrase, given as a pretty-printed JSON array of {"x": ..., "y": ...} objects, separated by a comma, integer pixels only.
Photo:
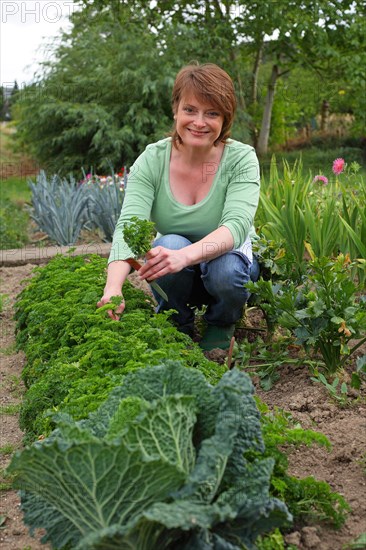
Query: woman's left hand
[{"x": 161, "y": 261}]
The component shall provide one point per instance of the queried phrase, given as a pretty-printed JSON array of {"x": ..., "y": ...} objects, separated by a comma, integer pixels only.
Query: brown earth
[{"x": 344, "y": 467}]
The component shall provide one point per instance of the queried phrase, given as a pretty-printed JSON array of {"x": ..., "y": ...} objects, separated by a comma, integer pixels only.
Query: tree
[{"x": 102, "y": 100}]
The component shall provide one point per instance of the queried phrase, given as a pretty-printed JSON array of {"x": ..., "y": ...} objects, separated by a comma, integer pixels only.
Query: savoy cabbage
[{"x": 167, "y": 462}]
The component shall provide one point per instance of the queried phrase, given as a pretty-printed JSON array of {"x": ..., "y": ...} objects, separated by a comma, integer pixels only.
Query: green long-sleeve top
[{"x": 231, "y": 201}]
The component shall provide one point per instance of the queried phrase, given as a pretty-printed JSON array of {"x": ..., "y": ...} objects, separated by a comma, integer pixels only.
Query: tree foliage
[
  {"x": 104, "y": 98},
  {"x": 107, "y": 93}
]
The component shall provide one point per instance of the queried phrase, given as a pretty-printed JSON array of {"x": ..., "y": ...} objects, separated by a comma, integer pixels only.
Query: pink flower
[
  {"x": 88, "y": 176},
  {"x": 338, "y": 166},
  {"x": 323, "y": 179}
]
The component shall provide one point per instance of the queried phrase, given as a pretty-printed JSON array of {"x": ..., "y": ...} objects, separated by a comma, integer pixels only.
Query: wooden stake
[{"x": 230, "y": 354}]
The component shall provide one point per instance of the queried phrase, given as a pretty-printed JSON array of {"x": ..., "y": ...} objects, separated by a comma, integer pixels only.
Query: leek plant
[
  {"x": 105, "y": 207},
  {"x": 62, "y": 208},
  {"x": 59, "y": 207}
]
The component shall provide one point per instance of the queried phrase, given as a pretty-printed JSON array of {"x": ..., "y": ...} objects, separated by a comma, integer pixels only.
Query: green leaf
[
  {"x": 188, "y": 515},
  {"x": 356, "y": 381},
  {"x": 2, "y": 522},
  {"x": 164, "y": 431},
  {"x": 88, "y": 486},
  {"x": 138, "y": 234},
  {"x": 357, "y": 544},
  {"x": 337, "y": 320},
  {"x": 361, "y": 364},
  {"x": 360, "y": 246},
  {"x": 236, "y": 430},
  {"x": 149, "y": 384},
  {"x": 323, "y": 379}
]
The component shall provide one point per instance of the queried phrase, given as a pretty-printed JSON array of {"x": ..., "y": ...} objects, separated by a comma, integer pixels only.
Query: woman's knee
[{"x": 225, "y": 274}]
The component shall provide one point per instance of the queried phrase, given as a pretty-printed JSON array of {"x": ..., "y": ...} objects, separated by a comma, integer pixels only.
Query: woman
[{"x": 201, "y": 190}]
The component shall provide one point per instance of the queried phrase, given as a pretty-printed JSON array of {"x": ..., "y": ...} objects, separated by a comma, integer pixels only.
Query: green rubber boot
[{"x": 217, "y": 337}]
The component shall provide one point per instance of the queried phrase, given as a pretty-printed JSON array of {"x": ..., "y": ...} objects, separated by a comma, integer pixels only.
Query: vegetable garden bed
[{"x": 299, "y": 410}]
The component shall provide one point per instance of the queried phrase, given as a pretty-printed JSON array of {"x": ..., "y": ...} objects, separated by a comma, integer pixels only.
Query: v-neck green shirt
[{"x": 231, "y": 201}]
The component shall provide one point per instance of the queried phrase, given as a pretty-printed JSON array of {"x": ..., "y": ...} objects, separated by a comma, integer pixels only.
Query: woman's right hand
[
  {"x": 106, "y": 299},
  {"x": 116, "y": 276}
]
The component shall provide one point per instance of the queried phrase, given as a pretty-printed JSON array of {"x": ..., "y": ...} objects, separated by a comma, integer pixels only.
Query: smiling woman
[{"x": 201, "y": 190}]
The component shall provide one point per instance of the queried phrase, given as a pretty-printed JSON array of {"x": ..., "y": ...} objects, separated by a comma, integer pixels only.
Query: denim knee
[{"x": 226, "y": 274}]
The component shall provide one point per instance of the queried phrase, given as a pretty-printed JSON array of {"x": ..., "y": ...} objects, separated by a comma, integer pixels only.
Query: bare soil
[
  {"x": 344, "y": 467},
  {"x": 14, "y": 534}
]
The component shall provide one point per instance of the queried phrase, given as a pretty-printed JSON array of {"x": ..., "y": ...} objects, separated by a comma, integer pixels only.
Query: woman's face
[{"x": 198, "y": 124}]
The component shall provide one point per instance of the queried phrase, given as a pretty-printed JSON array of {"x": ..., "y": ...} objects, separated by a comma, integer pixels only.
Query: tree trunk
[
  {"x": 324, "y": 116},
  {"x": 257, "y": 63},
  {"x": 262, "y": 144}
]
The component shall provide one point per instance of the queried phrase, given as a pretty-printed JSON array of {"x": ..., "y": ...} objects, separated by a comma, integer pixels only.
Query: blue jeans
[{"x": 218, "y": 283}]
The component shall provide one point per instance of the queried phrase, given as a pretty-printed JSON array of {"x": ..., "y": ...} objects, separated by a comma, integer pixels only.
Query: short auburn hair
[{"x": 209, "y": 84}]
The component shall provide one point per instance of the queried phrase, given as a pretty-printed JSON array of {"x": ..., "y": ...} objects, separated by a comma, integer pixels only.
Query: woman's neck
[{"x": 196, "y": 156}]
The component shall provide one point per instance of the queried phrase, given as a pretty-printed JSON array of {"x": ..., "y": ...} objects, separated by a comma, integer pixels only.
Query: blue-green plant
[
  {"x": 59, "y": 207},
  {"x": 105, "y": 203}
]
